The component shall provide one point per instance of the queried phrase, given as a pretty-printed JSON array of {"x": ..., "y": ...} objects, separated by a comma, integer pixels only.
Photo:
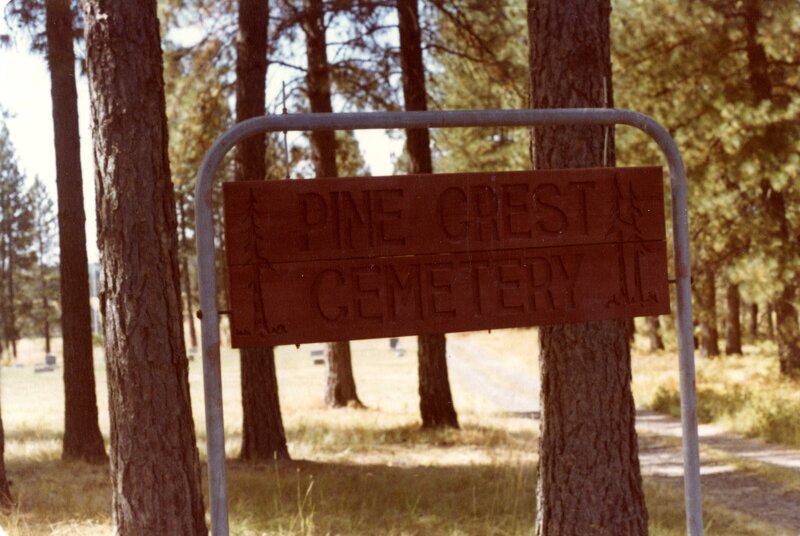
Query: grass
[
  {"x": 744, "y": 394},
  {"x": 359, "y": 472}
]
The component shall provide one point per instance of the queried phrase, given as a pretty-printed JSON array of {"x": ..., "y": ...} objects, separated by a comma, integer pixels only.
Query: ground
[{"x": 372, "y": 471}]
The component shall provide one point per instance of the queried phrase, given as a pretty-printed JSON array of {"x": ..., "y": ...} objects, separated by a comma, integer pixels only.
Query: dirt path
[{"x": 516, "y": 391}]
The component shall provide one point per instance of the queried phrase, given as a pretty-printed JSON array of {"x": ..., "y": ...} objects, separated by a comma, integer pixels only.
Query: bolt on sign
[{"x": 363, "y": 257}]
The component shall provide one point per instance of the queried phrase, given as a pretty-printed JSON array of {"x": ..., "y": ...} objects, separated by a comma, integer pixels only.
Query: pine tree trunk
[
  {"x": 46, "y": 306},
  {"x": 770, "y": 325},
  {"x": 709, "y": 335},
  {"x": 589, "y": 476},
  {"x": 340, "y": 384},
  {"x": 733, "y": 327},
  {"x": 340, "y": 389},
  {"x": 654, "y": 332},
  {"x": 12, "y": 313},
  {"x": 263, "y": 436},
  {"x": 82, "y": 438},
  {"x": 788, "y": 333},
  {"x": 435, "y": 399},
  {"x": 5, "y": 493},
  {"x": 753, "y": 331},
  {"x": 155, "y": 469},
  {"x": 187, "y": 280}
]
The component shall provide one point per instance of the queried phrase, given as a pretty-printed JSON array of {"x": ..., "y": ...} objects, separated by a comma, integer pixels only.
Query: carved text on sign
[{"x": 332, "y": 259}]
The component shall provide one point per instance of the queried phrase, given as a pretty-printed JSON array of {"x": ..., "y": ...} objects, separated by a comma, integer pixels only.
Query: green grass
[{"x": 360, "y": 472}]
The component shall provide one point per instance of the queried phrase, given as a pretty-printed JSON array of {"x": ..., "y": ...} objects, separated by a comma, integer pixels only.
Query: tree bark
[
  {"x": 435, "y": 399},
  {"x": 263, "y": 436},
  {"x": 5, "y": 492},
  {"x": 589, "y": 476},
  {"x": 733, "y": 327},
  {"x": 654, "y": 332},
  {"x": 82, "y": 438},
  {"x": 709, "y": 335},
  {"x": 770, "y": 325},
  {"x": 788, "y": 332},
  {"x": 753, "y": 324},
  {"x": 187, "y": 280},
  {"x": 155, "y": 469},
  {"x": 340, "y": 385},
  {"x": 11, "y": 334}
]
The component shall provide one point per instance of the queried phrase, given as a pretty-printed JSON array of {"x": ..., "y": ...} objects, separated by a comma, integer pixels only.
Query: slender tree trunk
[
  {"x": 709, "y": 335},
  {"x": 654, "y": 332},
  {"x": 12, "y": 315},
  {"x": 753, "y": 325},
  {"x": 5, "y": 493},
  {"x": 82, "y": 438},
  {"x": 155, "y": 470},
  {"x": 733, "y": 327},
  {"x": 187, "y": 280},
  {"x": 435, "y": 399},
  {"x": 589, "y": 476},
  {"x": 770, "y": 308},
  {"x": 46, "y": 306},
  {"x": 340, "y": 384},
  {"x": 263, "y": 436}
]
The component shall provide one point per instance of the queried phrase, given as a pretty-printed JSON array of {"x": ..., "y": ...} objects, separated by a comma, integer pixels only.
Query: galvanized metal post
[{"x": 467, "y": 118}]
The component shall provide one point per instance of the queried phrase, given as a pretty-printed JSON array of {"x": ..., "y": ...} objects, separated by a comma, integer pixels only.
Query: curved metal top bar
[{"x": 444, "y": 119}]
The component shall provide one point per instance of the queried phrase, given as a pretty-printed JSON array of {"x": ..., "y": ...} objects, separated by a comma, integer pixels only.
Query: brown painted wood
[{"x": 365, "y": 257}]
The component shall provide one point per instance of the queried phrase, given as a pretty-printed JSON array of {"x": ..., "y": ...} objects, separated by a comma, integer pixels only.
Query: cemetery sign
[{"x": 363, "y": 257}]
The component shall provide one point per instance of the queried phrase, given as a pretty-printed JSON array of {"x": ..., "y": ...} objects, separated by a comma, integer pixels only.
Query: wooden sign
[{"x": 362, "y": 257}]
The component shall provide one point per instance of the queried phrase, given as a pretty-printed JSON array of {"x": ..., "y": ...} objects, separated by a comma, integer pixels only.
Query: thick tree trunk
[
  {"x": 82, "y": 438},
  {"x": 340, "y": 384},
  {"x": 753, "y": 324},
  {"x": 263, "y": 436},
  {"x": 435, "y": 399},
  {"x": 155, "y": 469},
  {"x": 340, "y": 388},
  {"x": 654, "y": 332},
  {"x": 589, "y": 476},
  {"x": 709, "y": 335},
  {"x": 733, "y": 327}
]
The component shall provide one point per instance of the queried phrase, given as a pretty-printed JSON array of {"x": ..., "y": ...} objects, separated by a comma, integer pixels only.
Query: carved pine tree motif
[{"x": 254, "y": 236}]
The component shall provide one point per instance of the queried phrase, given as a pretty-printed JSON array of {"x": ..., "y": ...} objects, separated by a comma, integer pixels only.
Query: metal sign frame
[{"x": 447, "y": 119}]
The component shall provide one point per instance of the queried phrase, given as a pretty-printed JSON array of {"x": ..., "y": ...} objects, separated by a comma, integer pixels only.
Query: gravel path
[{"x": 516, "y": 391}]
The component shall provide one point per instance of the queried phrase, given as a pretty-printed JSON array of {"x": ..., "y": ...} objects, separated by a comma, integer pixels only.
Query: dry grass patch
[{"x": 359, "y": 472}]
